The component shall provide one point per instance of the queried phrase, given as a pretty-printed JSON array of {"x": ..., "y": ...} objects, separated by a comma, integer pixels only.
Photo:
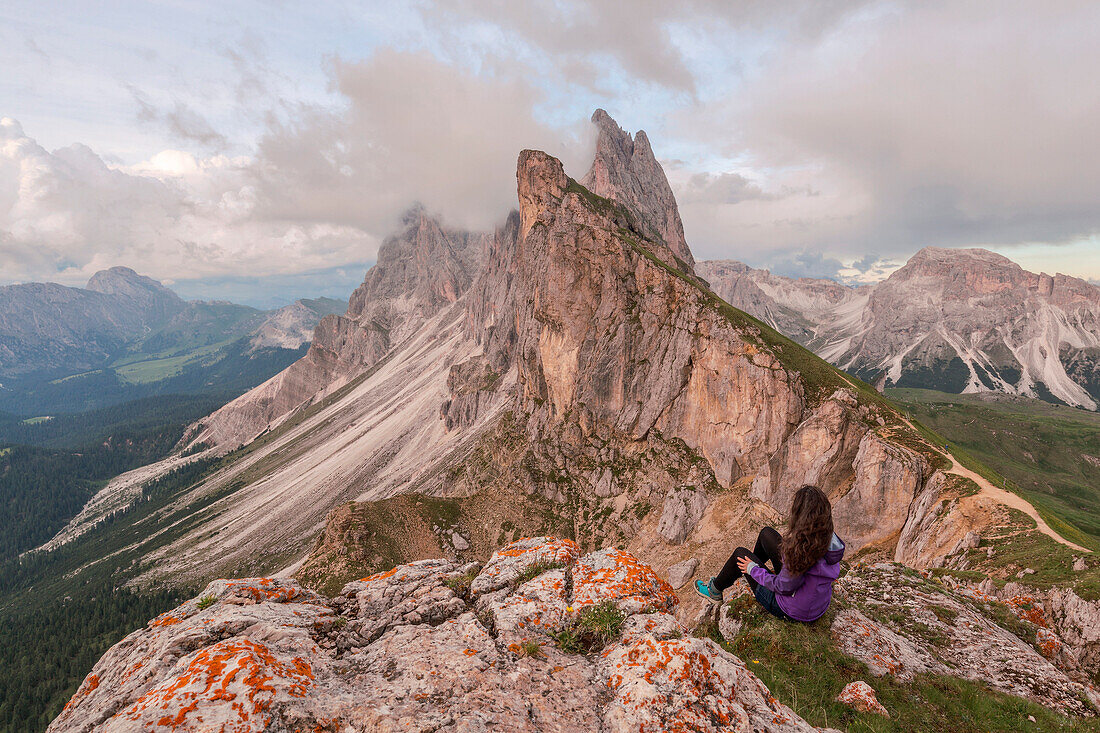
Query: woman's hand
[{"x": 743, "y": 564}]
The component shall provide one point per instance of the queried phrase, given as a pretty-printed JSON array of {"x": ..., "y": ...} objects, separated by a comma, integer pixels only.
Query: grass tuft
[
  {"x": 530, "y": 649},
  {"x": 594, "y": 628},
  {"x": 461, "y": 584},
  {"x": 534, "y": 571}
]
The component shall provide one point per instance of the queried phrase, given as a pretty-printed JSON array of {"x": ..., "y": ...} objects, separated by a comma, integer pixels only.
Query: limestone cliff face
[
  {"x": 617, "y": 337},
  {"x": 626, "y": 171},
  {"x": 420, "y": 271}
]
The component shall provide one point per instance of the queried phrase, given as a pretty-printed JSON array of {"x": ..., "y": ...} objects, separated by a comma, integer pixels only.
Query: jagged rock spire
[{"x": 626, "y": 170}]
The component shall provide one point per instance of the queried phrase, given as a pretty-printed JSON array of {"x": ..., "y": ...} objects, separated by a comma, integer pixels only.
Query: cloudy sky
[{"x": 262, "y": 151}]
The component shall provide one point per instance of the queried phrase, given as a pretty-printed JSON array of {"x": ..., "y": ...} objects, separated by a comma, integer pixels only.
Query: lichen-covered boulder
[
  {"x": 619, "y": 577},
  {"x": 412, "y": 650},
  {"x": 237, "y": 657},
  {"x": 687, "y": 684},
  {"x": 861, "y": 696},
  {"x": 509, "y": 563}
]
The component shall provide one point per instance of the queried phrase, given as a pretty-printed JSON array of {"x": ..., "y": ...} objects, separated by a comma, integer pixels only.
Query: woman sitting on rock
[{"x": 806, "y": 562}]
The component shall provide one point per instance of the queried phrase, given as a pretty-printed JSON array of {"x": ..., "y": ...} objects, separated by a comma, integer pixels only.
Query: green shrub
[{"x": 531, "y": 649}]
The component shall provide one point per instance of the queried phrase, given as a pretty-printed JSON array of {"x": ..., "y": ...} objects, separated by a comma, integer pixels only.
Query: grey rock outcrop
[
  {"x": 902, "y": 624},
  {"x": 400, "y": 649}
]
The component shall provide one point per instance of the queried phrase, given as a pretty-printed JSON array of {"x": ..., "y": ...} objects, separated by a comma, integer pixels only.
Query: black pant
[{"x": 767, "y": 548}]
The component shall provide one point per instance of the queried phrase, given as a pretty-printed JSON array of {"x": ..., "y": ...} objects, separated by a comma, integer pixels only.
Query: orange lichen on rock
[
  {"x": 509, "y": 564},
  {"x": 262, "y": 589},
  {"x": 380, "y": 576},
  {"x": 1047, "y": 642},
  {"x": 618, "y": 576},
  {"x": 167, "y": 619},
  {"x": 861, "y": 696},
  {"x": 89, "y": 685},
  {"x": 234, "y": 681},
  {"x": 556, "y": 549},
  {"x": 1028, "y": 609},
  {"x": 684, "y": 685}
]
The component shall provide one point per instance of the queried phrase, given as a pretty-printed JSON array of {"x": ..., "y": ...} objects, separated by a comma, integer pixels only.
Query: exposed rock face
[
  {"x": 291, "y": 326},
  {"x": 903, "y": 624},
  {"x": 943, "y": 515},
  {"x": 626, "y": 171},
  {"x": 957, "y": 320},
  {"x": 887, "y": 477},
  {"x": 1077, "y": 622},
  {"x": 796, "y": 308},
  {"x": 420, "y": 272},
  {"x": 614, "y": 335},
  {"x": 402, "y": 650}
]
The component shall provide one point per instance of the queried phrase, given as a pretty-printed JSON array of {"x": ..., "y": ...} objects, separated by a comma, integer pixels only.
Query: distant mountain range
[
  {"x": 956, "y": 320},
  {"x": 125, "y": 336}
]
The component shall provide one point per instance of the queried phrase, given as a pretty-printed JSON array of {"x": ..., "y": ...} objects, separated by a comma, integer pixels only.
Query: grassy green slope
[
  {"x": 803, "y": 667},
  {"x": 1037, "y": 449}
]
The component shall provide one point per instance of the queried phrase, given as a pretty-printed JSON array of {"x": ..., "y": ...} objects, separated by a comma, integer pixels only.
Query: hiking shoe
[{"x": 708, "y": 591}]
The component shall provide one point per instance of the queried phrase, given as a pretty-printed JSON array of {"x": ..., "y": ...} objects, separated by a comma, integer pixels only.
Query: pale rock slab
[
  {"x": 508, "y": 563},
  {"x": 681, "y": 512},
  {"x": 682, "y": 572}
]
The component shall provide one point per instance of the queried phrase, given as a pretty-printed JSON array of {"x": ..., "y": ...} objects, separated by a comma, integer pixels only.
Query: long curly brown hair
[{"x": 809, "y": 530}]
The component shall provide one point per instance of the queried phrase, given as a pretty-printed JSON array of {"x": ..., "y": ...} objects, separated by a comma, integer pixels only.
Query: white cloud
[
  {"x": 322, "y": 189},
  {"x": 924, "y": 123},
  {"x": 413, "y": 129},
  {"x": 67, "y": 214},
  {"x": 799, "y": 129}
]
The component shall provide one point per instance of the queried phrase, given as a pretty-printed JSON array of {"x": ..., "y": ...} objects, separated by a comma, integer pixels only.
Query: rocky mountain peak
[
  {"x": 975, "y": 267},
  {"x": 125, "y": 281},
  {"x": 540, "y": 178},
  {"x": 155, "y": 302},
  {"x": 957, "y": 320},
  {"x": 626, "y": 170}
]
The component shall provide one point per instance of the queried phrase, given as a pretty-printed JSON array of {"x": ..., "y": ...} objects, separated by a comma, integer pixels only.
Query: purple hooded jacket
[{"x": 804, "y": 597}]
